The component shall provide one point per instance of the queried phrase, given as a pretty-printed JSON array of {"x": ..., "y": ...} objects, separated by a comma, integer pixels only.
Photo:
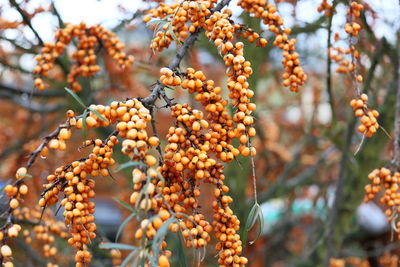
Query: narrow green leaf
[
  {"x": 161, "y": 179},
  {"x": 118, "y": 246},
  {"x": 130, "y": 164},
  {"x": 173, "y": 35},
  {"x": 98, "y": 115},
  {"x": 84, "y": 128},
  {"x": 123, "y": 224},
  {"x": 128, "y": 258},
  {"x": 77, "y": 98},
  {"x": 160, "y": 21},
  {"x": 181, "y": 253},
  {"x": 27, "y": 175},
  {"x": 135, "y": 263},
  {"x": 160, "y": 236},
  {"x": 251, "y": 219},
  {"x": 126, "y": 205},
  {"x": 147, "y": 256},
  {"x": 260, "y": 220}
]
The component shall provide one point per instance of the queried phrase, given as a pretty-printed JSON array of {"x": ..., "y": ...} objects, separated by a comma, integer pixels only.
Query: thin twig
[
  {"x": 253, "y": 169},
  {"x": 31, "y": 92},
  {"x": 329, "y": 63},
  {"x": 26, "y": 20}
]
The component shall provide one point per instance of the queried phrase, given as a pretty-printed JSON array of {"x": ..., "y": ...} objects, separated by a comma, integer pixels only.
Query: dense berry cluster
[
  {"x": 180, "y": 20},
  {"x": 188, "y": 162},
  {"x": 294, "y": 76},
  {"x": 85, "y": 57},
  {"x": 131, "y": 118},
  {"x": 386, "y": 181},
  {"x": 369, "y": 124},
  {"x": 74, "y": 182}
]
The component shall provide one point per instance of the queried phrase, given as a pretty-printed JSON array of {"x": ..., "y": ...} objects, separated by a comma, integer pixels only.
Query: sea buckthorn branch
[
  {"x": 187, "y": 158},
  {"x": 225, "y": 222},
  {"x": 91, "y": 121},
  {"x": 78, "y": 189},
  {"x": 352, "y": 28},
  {"x": 294, "y": 77},
  {"x": 136, "y": 148},
  {"x": 55, "y": 140},
  {"x": 85, "y": 56},
  {"x": 179, "y": 55},
  {"x": 220, "y": 134},
  {"x": 27, "y": 20},
  {"x": 18, "y": 189},
  {"x": 369, "y": 124}
]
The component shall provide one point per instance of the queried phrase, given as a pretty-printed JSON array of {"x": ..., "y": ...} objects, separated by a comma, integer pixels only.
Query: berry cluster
[
  {"x": 181, "y": 19},
  {"x": 385, "y": 180},
  {"x": 222, "y": 128},
  {"x": 186, "y": 164},
  {"x": 85, "y": 57},
  {"x": 73, "y": 180},
  {"x": 18, "y": 190},
  {"x": 250, "y": 34},
  {"x": 294, "y": 76},
  {"x": 338, "y": 55},
  {"x": 325, "y": 7},
  {"x": 369, "y": 124},
  {"x": 195, "y": 143},
  {"x": 168, "y": 78},
  {"x": 44, "y": 232},
  {"x": 388, "y": 259}
]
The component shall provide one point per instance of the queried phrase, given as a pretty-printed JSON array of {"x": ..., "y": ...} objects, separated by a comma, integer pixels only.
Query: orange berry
[
  {"x": 14, "y": 203},
  {"x": 21, "y": 173},
  {"x": 5, "y": 251}
]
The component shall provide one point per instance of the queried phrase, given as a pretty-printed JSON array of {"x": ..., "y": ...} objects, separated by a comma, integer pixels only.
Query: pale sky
[{"x": 108, "y": 13}]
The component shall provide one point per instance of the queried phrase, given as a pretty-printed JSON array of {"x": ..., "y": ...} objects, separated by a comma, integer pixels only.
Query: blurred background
[{"x": 310, "y": 182}]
